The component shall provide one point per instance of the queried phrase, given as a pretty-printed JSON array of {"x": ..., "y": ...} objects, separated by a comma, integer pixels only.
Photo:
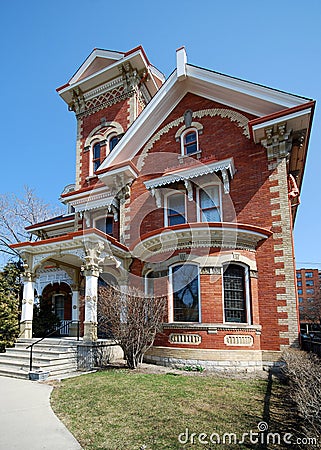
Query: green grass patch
[{"x": 124, "y": 410}]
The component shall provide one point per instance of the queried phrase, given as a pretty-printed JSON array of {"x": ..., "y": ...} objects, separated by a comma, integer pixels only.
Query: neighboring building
[
  {"x": 309, "y": 296},
  {"x": 186, "y": 187}
]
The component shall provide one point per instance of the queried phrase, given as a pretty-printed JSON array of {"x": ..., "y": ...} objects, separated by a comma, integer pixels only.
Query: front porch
[{"x": 62, "y": 275}]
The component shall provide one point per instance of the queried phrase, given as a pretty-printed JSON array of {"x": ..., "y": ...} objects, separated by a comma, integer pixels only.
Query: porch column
[
  {"x": 27, "y": 306},
  {"x": 73, "y": 329},
  {"x": 91, "y": 296}
]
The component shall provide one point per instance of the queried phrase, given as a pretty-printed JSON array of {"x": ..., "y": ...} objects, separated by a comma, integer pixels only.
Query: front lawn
[{"x": 128, "y": 410}]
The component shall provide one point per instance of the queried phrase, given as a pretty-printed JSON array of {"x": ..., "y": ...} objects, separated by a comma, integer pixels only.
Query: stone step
[
  {"x": 13, "y": 373},
  {"x": 56, "y": 353},
  {"x": 24, "y": 359},
  {"x": 56, "y": 356}
]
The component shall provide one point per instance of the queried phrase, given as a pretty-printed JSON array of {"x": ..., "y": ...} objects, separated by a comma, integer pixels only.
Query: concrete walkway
[{"x": 27, "y": 420}]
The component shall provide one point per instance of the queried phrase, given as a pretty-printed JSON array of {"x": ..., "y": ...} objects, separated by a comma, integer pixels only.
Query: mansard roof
[
  {"x": 266, "y": 104},
  {"x": 103, "y": 66}
]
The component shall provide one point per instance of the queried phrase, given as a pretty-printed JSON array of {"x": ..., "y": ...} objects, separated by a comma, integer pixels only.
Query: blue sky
[{"x": 275, "y": 43}]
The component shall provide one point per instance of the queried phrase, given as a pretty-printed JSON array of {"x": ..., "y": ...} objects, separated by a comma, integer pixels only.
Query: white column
[
  {"x": 74, "y": 326},
  {"x": 75, "y": 305},
  {"x": 27, "y": 307},
  {"x": 91, "y": 296}
]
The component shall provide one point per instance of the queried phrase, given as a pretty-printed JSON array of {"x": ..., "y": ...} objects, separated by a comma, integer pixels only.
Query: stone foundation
[{"x": 213, "y": 360}]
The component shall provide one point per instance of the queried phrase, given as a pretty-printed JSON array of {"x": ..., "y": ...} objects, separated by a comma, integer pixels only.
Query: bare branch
[{"x": 132, "y": 319}]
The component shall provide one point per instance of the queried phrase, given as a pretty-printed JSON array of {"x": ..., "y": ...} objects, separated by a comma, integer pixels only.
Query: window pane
[
  {"x": 59, "y": 306},
  {"x": 113, "y": 141},
  {"x": 190, "y": 143},
  {"x": 105, "y": 224},
  {"x": 190, "y": 137},
  {"x": 185, "y": 293},
  {"x": 96, "y": 153},
  {"x": 176, "y": 209},
  {"x": 234, "y": 294},
  {"x": 209, "y": 203}
]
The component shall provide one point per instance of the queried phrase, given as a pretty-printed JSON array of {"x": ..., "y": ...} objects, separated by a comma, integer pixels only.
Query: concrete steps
[{"x": 56, "y": 356}]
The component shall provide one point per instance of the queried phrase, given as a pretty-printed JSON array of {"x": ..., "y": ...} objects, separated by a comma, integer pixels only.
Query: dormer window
[
  {"x": 189, "y": 142},
  {"x": 96, "y": 156}
]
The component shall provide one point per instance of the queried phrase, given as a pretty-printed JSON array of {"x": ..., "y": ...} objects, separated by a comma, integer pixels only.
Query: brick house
[{"x": 188, "y": 187}]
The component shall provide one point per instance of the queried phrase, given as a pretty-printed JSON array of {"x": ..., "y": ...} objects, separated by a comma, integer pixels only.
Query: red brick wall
[
  {"x": 114, "y": 113},
  {"x": 249, "y": 201}
]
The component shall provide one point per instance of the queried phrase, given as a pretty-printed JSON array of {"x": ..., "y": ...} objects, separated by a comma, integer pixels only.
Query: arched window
[
  {"x": 96, "y": 156},
  {"x": 236, "y": 294},
  {"x": 113, "y": 142},
  {"x": 189, "y": 142},
  {"x": 184, "y": 280}
]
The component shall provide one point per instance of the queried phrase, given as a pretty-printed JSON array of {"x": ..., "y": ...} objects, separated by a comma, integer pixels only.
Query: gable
[
  {"x": 97, "y": 65},
  {"x": 258, "y": 101}
]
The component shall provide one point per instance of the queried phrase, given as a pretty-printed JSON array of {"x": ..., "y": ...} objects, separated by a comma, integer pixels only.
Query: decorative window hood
[{"x": 226, "y": 167}]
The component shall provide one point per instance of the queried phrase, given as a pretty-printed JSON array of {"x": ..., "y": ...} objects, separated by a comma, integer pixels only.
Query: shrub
[{"x": 303, "y": 372}]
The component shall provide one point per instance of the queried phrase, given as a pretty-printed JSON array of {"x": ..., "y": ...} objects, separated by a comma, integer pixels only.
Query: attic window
[{"x": 189, "y": 142}]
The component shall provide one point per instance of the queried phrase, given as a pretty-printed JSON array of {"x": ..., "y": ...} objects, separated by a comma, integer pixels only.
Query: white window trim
[
  {"x": 146, "y": 282},
  {"x": 198, "y": 200},
  {"x": 91, "y": 155},
  {"x": 171, "y": 296},
  {"x": 108, "y": 139},
  {"x": 102, "y": 217},
  {"x": 184, "y": 133},
  {"x": 247, "y": 294},
  {"x": 166, "y": 205}
]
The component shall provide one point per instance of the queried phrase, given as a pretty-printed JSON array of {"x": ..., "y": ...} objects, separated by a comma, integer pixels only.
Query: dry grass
[{"x": 128, "y": 410}]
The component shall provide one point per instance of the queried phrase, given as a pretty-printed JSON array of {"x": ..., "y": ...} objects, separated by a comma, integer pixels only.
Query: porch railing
[{"x": 69, "y": 322}]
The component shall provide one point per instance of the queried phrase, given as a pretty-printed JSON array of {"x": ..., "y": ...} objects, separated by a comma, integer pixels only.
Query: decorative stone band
[
  {"x": 214, "y": 328},
  {"x": 104, "y": 101},
  {"x": 196, "y": 235},
  {"x": 184, "y": 338},
  {"x": 238, "y": 340}
]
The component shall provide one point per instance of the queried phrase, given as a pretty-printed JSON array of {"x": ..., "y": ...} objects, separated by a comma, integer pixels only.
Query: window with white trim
[
  {"x": 176, "y": 209},
  {"x": 236, "y": 294},
  {"x": 189, "y": 142},
  {"x": 185, "y": 293},
  {"x": 209, "y": 204},
  {"x": 105, "y": 224},
  {"x": 96, "y": 155},
  {"x": 113, "y": 141}
]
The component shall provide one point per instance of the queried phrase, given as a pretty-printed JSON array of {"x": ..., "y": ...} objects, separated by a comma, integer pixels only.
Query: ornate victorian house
[{"x": 187, "y": 187}]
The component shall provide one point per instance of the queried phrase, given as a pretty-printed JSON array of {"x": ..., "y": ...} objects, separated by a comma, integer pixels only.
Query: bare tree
[
  {"x": 304, "y": 373},
  {"x": 16, "y": 213},
  {"x": 132, "y": 319},
  {"x": 311, "y": 312}
]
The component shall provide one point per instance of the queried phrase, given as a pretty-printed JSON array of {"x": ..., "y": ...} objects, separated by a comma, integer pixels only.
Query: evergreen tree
[{"x": 10, "y": 288}]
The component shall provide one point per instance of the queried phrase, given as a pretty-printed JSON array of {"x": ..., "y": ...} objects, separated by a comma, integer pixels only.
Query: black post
[{"x": 78, "y": 330}]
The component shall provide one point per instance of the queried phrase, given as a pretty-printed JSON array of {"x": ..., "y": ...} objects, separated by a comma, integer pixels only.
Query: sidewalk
[{"x": 27, "y": 420}]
